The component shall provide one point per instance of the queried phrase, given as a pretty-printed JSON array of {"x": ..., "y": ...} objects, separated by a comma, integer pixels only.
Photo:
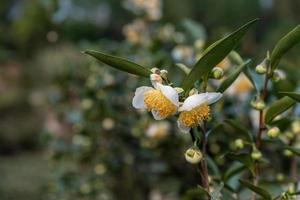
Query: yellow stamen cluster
[
  {"x": 155, "y": 100},
  {"x": 193, "y": 117}
]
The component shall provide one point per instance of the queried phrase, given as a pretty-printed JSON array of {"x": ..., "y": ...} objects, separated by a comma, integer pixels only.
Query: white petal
[
  {"x": 138, "y": 99},
  {"x": 170, "y": 93},
  {"x": 156, "y": 116},
  {"x": 213, "y": 97},
  {"x": 193, "y": 101},
  {"x": 183, "y": 128}
]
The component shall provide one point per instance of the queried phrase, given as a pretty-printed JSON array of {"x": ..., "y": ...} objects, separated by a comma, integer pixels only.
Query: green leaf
[
  {"x": 277, "y": 108},
  {"x": 120, "y": 63},
  {"x": 240, "y": 129},
  {"x": 213, "y": 55},
  {"x": 284, "y": 45},
  {"x": 232, "y": 77},
  {"x": 244, "y": 158},
  {"x": 212, "y": 166},
  {"x": 295, "y": 150},
  {"x": 233, "y": 170},
  {"x": 293, "y": 95},
  {"x": 261, "y": 192}
]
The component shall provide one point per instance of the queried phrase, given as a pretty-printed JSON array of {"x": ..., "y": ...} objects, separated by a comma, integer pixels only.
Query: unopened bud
[
  {"x": 261, "y": 68},
  {"x": 164, "y": 74},
  {"x": 256, "y": 154},
  {"x": 193, "y": 91},
  {"x": 155, "y": 70},
  {"x": 290, "y": 135},
  {"x": 217, "y": 73},
  {"x": 239, "y": 143},
  {"x": 258, "y": 104},
  {"x": 179, "y": 90},
  {"x": 287, "y": 153},
  {"x": 193, "y": 155},
  {"x": 273, "y": 132},
  {"x": 276, "y": 76}
]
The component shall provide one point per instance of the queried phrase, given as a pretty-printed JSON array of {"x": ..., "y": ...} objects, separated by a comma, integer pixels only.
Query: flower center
[
  {"x": 155, "y": 100},
  {"x": 193, "y": 117}
]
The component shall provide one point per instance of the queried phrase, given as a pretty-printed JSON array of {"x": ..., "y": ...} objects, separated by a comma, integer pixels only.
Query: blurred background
[{"x": 67, "y": 127}]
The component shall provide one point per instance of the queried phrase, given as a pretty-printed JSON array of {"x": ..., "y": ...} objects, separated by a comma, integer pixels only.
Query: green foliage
[
  {"x": 293, "y": 95},
  {"x": 232, "y": 77},
  {"x": 120, "y": 63},
  {"x": 214, "y": 54},
  {"x": 284, "y": 45},
  {"x": 278, "y": 107},
  {"x": 258, "y": 190}
]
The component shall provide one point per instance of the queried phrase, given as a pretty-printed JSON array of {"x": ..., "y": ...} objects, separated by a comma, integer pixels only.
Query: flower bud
[
  {"x": 179, "y": 90},
  {"x": 278, "y": 75},
  {"x": 164, "y": 73},
  {"x": 239, "y": 144},
  {"x": 287, "y": 153},
  {"x": 217, "y": 73},
  {"x": 273, "y": 132},
  {"x": 256, "y": 154},
  {"x": 261, "y": 68},
  {"x": 258, "y": 104},
  {"x": 193, "y": 91},
  {"x": 193, "y": 155},
  {"x": 290, "y": 135},
  {"x": 155, "y": 70}
]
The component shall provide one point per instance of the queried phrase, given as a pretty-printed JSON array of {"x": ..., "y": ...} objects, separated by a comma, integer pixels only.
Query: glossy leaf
[
  {"x": 293, "y": 95},
  {"x": 232, "y": 77},
  {"x": 261, "y": 192},
  {"x": 213, "y": 55},
  {"x": 120, "y": 63},
  {"x": 277, "y": 108},
  {"x": 295, "y": 150},
  {"x": 215, "y": 195},
  {"x": 240, "y": 129},
  {"x": 284, "y": 45}
]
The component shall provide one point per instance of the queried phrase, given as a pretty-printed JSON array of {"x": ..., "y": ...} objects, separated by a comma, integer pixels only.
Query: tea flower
[
  {"x": 195, "y": 109},
  {"x": 162, "y": 100}
]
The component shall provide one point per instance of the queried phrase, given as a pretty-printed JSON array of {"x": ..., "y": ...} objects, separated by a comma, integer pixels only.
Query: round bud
[
  {"x": 217, "y": 73},
  {"x": 287, "y": 153},
  {"x": 179, "y": 90},
  {"x": 193, "y": 155},
  {"x": 276, "y": 76},
  {"x": 239, "y": 144},
  {"x": 193, "y": 91},
  {"x": 290, "y": 135},
  {"x": 261, "y": 69},
  {"x": 256, "y": 155},
  {"x": 155, "y": 70},
  {"x": 258, "y": 104},
  {"x": 273, "y": 132},
  {"x": 280, "y": 177}
]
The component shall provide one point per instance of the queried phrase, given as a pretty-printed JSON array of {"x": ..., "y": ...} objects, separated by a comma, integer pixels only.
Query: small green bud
[
  {"x": 290, "y": 135},
  {"x": 276, "y": 76},
  {"x": 193, "y": 155},
  {"x": 280, "y": 177},
  {"x": 258, "y": 104},
  {"x": 287, "y": 153},
  {"x": 217, "y": 73},
  {"x": 193, "y": 91},
  {"x": 179, "y": 90},
  {"x": 239, "y": 144},
  {"x": 256, "y": 154},
  {"x": 155, "y": 70},
  {"x": 273, "y": 132},
  {"x": 261, "y": 68}
]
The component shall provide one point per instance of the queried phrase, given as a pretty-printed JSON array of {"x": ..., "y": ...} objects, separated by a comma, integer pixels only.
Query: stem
[{"x": 261, "y": 127}]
